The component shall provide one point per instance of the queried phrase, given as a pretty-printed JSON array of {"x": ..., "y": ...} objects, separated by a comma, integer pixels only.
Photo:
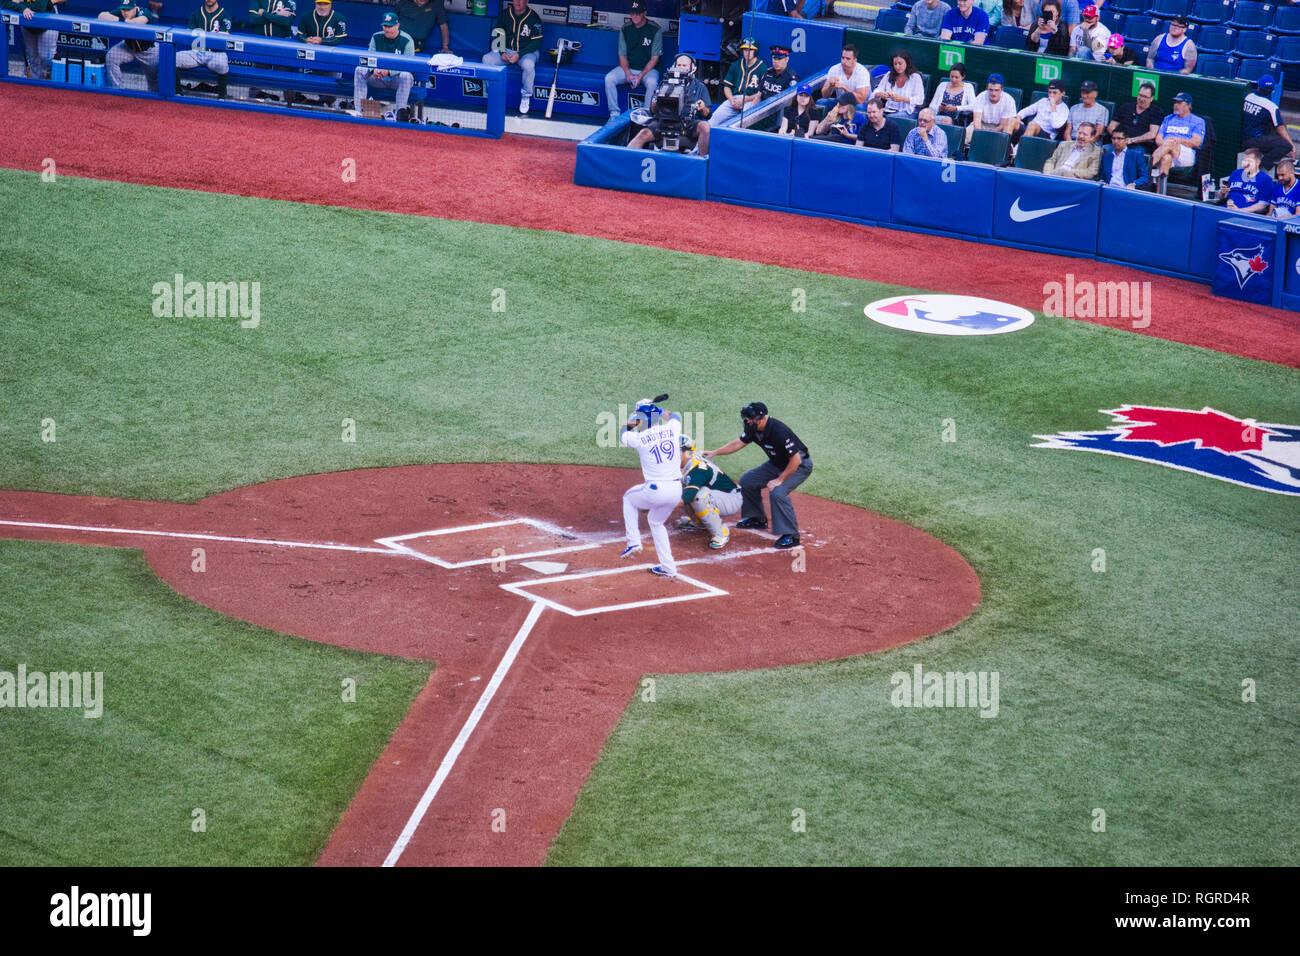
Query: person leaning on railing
[
  {"x": 131, "y": 50},
  {"x": 38, "y": 45}
]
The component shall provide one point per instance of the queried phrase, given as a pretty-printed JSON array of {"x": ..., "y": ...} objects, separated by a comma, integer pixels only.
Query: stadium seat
[
  {"x": 1010, "y": 38},
  {"x": 1127, "y": 6},
  {"x": 1033, "y": 152},
  {"x": 1113, "y": 20},
  {"x": 905, "y": 125},
  {"x": 891, "y": 21},
  {"x": 1252, "y": 70},
  {"x": 1110, "y": 107},
  {"x": 988, "y": 147},
  {"x": 956, "y": 139},
  {"x": 1287, "y": 58},
  {"x": 1216, "y": 40},
  {"x": 904, "y": 5},
  {"x": 1286, "y": 22},
  {"x": 1016, "y": 95},
  {"x": 1168, "y": 9},
  {"x": 1253, "y": 45},
  {"x": 1210, "y": 12},
  {"x": 1251, "y": 15},
  {"x": 1215, "y": 66},
  {"x": 1140, "y": 31}
]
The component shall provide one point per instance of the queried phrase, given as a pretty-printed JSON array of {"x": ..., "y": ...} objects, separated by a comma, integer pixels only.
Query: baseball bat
[
  {"x": 559, "y": 55},
  {"x": 661, "y": 398}
]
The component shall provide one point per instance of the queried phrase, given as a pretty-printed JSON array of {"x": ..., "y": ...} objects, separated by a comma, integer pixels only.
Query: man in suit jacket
[
  {"x": 1121, "y": 166},
  {"x": 1078, "y": 160}
]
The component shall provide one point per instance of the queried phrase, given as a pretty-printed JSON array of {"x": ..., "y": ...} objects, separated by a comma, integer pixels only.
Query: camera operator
[{"x": 680, "y": 112}]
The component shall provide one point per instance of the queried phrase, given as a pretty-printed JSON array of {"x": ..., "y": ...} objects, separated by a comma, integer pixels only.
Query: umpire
[{"x": 788, "y": 465}]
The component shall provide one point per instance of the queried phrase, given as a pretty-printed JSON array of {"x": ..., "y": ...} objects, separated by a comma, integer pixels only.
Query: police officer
[{"x": 788, "y": 465}]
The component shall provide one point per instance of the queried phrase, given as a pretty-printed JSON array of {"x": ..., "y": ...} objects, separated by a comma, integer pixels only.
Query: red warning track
[
  {"x": 304, "y": 556},
  {"x": 454, "y": 177}
]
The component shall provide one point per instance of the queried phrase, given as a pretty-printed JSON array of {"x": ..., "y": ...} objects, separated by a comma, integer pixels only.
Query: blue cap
[
  {"x": 996, "y": 78},
  {"x": 805, "y": 88},
  {"x": 1264, "y": 83},
  {"x": 1183, "y": 98}
]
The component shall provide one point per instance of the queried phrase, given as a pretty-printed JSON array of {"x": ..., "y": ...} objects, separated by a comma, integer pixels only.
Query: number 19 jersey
[{"x": 659, "y": 448}]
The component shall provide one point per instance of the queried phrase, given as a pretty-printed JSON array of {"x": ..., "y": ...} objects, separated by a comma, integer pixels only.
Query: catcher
[{"x": 709, "y": 493}]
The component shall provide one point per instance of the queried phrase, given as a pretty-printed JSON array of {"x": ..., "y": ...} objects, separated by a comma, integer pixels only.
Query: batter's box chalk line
[
  {"x": 521, "y": 588},
  {"x": 396, "y": 542}
]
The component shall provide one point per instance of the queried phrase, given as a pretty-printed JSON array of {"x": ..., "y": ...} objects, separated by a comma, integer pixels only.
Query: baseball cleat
[
  {"x": 660, "y": 571},
  {"x": 757, "y": 523},
  {"x": 523, "y": 106},
  {"x": 786, "y": 541},
  {"x": 720, "y": 541},
  {"x": 687, "y": 524},
  {"x": 628, "y": 552}
]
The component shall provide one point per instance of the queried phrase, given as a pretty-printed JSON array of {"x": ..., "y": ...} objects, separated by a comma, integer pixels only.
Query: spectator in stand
[
  {"x": 1049, "y": 117},
  {"x": 1286, "y": 191},
  {"x": 802, "y": 115},
  {"x": 1078, "y": 160},
  {"x": 926, "y": 139},
  {"x": 1049, "y": 34},
  {"x": 1117, "y": 54},
  {"x": 518, "y": 31},
  {"x": 841, "y": 124},
  {"x": 966, "y": 24},
  {"x": 640, "y": 45},
  {"x": 993, "y": 10},
  {"x": 846, "y": 76},
  {"x": 1262, "y": 126},
  {"x": 1123, "y": 166},
  {"x": 1089, "y": 39},
  {"x": 1014, "y": 13},
  {"x": 799, "y": 9},
  {"x": 1249, "y": 189},
  {"x": 417, "y": 18},
  {"x": 953, "y": 101},
  {"x": 740, "y": 90},
  {"x": 1139, "y": 119},
  {"x": 925, "y": 19},
  {"x": 877, "y": 132},
  {"x": 1180, "y": 136},
  {"x": 38, "y": 45},
  {"x": 993, "y": 110},
  {"x": 901, "y": 91},
  {"x": 127, "y": 51},
  {"x": 1088, "y": 110},
  {"x": 1173, "y": 51}
]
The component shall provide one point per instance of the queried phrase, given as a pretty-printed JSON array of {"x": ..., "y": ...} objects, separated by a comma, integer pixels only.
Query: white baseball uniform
[{"x": 659, "y": 494}]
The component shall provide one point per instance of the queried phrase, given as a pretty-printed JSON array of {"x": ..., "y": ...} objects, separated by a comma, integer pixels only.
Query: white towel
[{"x": 440, "y": 60}]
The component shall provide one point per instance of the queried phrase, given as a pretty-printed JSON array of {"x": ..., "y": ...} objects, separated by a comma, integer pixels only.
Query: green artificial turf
[
  {"x": 199, "y": 711},
  {"x": 1120, "y": 690}
]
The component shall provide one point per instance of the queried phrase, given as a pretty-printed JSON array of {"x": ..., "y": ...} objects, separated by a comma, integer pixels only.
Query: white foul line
[
  {"x": 199, "y": 536},
  {"x": 444, "y": 769}
]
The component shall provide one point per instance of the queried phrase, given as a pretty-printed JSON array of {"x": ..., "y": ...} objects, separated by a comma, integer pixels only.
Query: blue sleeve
[
  {"x": 1198, "y": 126},
  {"x": 982, "y": 16},
  {"x": 1070, "y": 11}
]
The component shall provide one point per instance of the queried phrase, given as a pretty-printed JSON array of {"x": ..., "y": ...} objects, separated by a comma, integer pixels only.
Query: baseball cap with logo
[
  {"x": 749, "y": 43},
  {"x": 1056, "y": 85},
  {"x": 1090, "y": 12},
  {"x": 805, "y": 89},
  {"x": 1088, "y": 86},
  {"x": 1181, "y": 20},
  {"x": 126, "y": 4},
  {"x": 1116, "y": 42},
  {"x": 390, "y": 19},
  {"x": 1265, "y": 83},
  {"x": 638, "y": 6},
  {"x": 1183, "y": 98}
]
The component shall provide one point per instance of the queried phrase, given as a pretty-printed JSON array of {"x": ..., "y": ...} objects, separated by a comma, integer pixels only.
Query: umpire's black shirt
[{"x": 778, "y": 442}]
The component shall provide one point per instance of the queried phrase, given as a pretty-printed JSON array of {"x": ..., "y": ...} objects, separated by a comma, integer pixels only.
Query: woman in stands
[
  {"x": 901, "y": 91},
  {"x": 1017, "y": 13},
  {"x": 954, "y": 101},
  {"x": 1049, "y": 34}
]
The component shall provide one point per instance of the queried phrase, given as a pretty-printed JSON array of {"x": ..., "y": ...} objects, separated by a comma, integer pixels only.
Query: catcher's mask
[{"x": 688, "y": 444}]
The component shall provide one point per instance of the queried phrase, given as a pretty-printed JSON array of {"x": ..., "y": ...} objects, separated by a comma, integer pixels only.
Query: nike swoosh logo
[{"x": 1029, "y": 215}]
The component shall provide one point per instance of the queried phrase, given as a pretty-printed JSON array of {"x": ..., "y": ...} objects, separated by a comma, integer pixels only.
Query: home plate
[{"x": 545, "y": 567}]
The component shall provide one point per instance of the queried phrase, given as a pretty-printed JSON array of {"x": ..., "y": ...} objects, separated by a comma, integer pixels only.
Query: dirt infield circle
[{"x": 429, "y": 562}]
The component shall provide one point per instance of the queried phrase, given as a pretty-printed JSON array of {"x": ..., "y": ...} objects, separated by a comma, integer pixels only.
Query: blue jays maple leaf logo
[
  {"x": 1246, "y": 262},
  {"x": 1206, "y": 442}
]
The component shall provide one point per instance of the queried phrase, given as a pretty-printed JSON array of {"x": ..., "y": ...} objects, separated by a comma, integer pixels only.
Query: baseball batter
[
  {"x": 210, "y": 17},
  {"x": 656, "y": 435},
  {"x": 709, "y": 493}
]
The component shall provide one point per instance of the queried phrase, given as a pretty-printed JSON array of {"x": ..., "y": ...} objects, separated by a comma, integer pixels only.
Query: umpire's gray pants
[
  {"x": 362, "y": 76},
  {"x": 39, "y": 46},
  {"x": 755, "y": 480},
  {"x": 118, "y": 56}
]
